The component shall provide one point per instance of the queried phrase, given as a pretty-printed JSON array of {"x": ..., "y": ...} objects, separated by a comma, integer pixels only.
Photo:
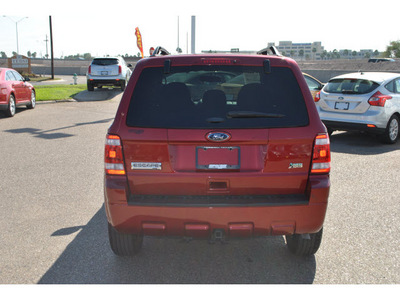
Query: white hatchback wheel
[{"x": 392, "y": 130}]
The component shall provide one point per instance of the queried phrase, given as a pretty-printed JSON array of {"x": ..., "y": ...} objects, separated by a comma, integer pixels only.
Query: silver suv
[
  {"x": 365, "y": 101},
  {"x": 108, "y": 71}
]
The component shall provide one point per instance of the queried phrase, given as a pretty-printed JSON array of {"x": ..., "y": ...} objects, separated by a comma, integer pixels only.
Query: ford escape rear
[{"x": 216, "y": 147}]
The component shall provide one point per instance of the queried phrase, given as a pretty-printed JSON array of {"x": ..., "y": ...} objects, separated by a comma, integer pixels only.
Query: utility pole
[
  {"x": 51, "y": 49},
  {"x": 16, "y": 28},
  {"x": 193, "y": 34},
  {"x": 47, "y": 48}
]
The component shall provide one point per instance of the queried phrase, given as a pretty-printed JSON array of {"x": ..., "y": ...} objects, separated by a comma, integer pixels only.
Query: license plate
[
  {"x": 104, "y": 72},
  {"x": 218, "y": 158},
  {"x": 342, "y": 105}
]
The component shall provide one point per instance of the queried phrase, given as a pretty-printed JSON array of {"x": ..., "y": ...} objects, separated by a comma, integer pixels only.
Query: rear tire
[
  {"x": 33, "y": 101},
  {"x": 90, "y": 87},
  {"x": 124, "y": 244},
  {"x": 304, "y": 247},
  {"x": 11, "y": 107},
  {"x": 392, "y": 131},
  {"x": 123, "y": 83}
]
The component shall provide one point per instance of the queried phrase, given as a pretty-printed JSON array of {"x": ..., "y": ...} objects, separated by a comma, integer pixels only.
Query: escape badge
[{"x": 295, "y": 165}]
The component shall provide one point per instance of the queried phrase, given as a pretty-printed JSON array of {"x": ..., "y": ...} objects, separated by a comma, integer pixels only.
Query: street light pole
[{"x": 16, "y": 28}]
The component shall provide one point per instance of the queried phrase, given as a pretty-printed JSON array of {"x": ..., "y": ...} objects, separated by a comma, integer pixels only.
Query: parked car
[
  {"x": 108, "y": 71},
  {"x": 376, "y": 60},
  {"x": 249, "y": 159},
  {"x": 15, "y": 91},
  {"x": 313, "y": 84},
  {"x": 364, "y": 101}
]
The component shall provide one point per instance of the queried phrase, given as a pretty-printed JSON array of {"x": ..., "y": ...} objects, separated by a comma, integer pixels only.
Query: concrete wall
[{"x": 322, "y": 70}]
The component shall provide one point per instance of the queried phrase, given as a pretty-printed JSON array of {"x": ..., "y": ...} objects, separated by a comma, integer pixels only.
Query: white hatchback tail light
[{"x": 378, "y": 99}]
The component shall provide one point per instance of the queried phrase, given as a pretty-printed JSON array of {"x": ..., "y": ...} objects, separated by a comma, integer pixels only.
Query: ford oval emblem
[{"x": 218, "y": 136}]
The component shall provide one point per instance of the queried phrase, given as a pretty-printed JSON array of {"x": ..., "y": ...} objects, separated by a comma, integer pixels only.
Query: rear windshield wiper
[
  {"x": 252, "y": 114},
  {"x": 349, "y": 92}
]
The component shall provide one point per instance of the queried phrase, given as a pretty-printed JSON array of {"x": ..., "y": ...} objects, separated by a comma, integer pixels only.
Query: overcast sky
[{"x": 108, "y": 27}]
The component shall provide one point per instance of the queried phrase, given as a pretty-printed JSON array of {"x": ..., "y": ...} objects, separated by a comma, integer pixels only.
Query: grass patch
[
  {"x": 40, "y": 79},
  {"x": 58, "y": 91}
]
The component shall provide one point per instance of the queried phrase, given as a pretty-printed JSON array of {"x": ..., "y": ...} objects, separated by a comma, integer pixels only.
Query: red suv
[{"x": 216, "y": 147}]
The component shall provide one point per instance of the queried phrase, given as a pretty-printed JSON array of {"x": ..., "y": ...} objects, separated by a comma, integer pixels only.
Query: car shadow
[
  {"x": 50, "y": 134},
  {"x": 89, "y": 259},
  {"x": 102, "y": 94},
  {"x": 354, "y": 142}
]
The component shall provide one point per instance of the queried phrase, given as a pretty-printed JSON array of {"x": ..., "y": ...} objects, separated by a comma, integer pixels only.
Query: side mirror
[
  {"x": 129, "y": 65},
  {"x": 27, "y": 79}
]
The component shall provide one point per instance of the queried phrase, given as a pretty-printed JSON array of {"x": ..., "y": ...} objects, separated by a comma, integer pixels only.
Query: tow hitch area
[{"x": 218, "y": 235}]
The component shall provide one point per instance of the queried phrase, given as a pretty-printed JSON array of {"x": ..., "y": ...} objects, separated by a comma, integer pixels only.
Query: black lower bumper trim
[
  {"x": 215, "y": 201},
  {"x": 347, "y": 126}
]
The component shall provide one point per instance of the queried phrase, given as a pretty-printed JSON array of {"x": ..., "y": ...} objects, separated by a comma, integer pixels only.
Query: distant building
[{"x": 299, "y": 50}]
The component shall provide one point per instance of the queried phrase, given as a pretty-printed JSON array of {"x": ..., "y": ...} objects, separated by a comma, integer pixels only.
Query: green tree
[
  {"x": 3, "y": 54},
  {"x": 393, "y": 50},
  {"x": 87, "y": 56},
  {"x": 301, "y": 53}
]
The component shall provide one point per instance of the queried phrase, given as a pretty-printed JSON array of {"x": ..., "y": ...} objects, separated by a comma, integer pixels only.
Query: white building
[{"x": 299, "y": 50}]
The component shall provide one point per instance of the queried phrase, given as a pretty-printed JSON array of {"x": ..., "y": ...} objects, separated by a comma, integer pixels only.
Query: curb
[{"x": 55, "y": 101}]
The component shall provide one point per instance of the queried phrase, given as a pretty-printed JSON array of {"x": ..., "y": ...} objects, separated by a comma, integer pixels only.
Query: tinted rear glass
[
  {"x": 350, "y": 86},
  {"x": 105, "y": 61},
  {"x": 217, "y": 97}
]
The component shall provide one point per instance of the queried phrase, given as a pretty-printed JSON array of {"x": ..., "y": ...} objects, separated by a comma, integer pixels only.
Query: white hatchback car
[
  {"x": 364, "y": 101},
  {"x": 108, "y": 71}
]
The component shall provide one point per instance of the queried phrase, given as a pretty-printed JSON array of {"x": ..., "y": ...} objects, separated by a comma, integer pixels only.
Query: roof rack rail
[
  {"x": 160, "y": 51},
  {"x": 269, "y": 50}
]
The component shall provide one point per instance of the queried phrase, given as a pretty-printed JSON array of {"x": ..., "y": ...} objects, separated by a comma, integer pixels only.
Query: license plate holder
[
  {"x": 217, "y": 158},
  {"x": 104, "y": 73},
  {"x": 342, "y": 105}
]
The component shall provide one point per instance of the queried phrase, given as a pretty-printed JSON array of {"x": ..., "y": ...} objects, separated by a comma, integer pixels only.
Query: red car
[
  {"x": 15, "y": 91},
  {"x": 216, "y": 147}
]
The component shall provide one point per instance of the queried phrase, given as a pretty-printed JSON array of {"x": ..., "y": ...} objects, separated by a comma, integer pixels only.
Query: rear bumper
[
  {"x": 334, "y": 125},
  {"x": 201, "y": 221}
]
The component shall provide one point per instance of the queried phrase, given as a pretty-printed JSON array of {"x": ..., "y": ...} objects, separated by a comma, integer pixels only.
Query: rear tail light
[
  {"x": 378, "y": 99},
  {"x": 90, "y": 70},
  {"x": 317, "y": 97},
  {"x": 113, "y": 158},
  {"x": 321, "y": 162},
  {"x": 119, "y": 69}
]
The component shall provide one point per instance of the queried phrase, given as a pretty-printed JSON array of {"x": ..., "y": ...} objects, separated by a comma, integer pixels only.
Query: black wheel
[
  {"x": 301, "y": 246},
  {"x": 33, "y": 101},
  {"x": 392, "y": 131},
  {"x": 90, "y": 87},
  {"x": 124, "y": 244},
  {"x": 11, "y": 107},
  {"x": 123, "y": 83}
]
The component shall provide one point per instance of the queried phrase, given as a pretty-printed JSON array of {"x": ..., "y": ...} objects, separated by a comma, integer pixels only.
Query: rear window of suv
[
  {"x": 350, "y": 86},
  {"x": 197, "y": 97},
  {"x": 105, "y": 61}
]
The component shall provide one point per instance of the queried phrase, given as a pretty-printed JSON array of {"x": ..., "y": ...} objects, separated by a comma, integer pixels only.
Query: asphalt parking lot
[{"x": 55, "y": 229}]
